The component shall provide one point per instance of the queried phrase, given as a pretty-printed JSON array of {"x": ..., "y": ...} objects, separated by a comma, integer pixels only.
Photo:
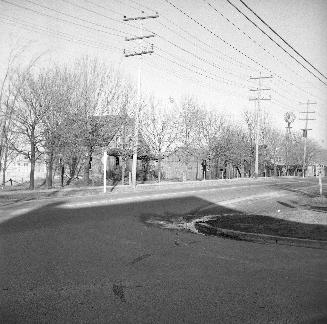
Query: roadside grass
[
  {"x": 260, "y": 224},
  {"x": 303, "y": 216}
]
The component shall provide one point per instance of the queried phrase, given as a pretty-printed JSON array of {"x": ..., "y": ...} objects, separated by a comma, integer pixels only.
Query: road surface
[{"x": 100, "y": 260}]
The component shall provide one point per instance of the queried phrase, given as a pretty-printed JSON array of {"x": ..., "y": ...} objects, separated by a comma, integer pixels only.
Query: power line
[
  {"x": 282, "y": 39},
  {"x": 160, "y": 37},
  {"x": 200, "y": 58},
  {"x": 183, "y": 49},
  {"x": 102, "y": 7},
  {"x": 129, "y": 5},
  {"x": 118, "y": 35},
  {"x": 215, "y": 50},
  {"x": 60, "y": 19},
  {"x": 57, "y": 34},
  {"x": 251, "y": 38},
  {"x": 100, "y": 14},
  {"x": 92, "y": 11},
  {"x": 233, "y": 47},
  {"x": 205, "y": 75},
  {"x": 224, "y": 80},
  {"x": 217, "y": 36},
  {"x": 282, "y": 48},
  {"x": 142, "y": 5},
  {"x": 196, "y": 56},
  {"x": 205, "y": 79},
  {"x": 71, "y": 16},
  {"x": 194, "y": 80}
]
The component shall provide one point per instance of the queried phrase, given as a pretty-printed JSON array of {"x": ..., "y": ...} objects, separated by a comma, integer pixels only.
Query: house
[
  {"x": 192, "y": 164},
  {"x": 118, "y": 138}
]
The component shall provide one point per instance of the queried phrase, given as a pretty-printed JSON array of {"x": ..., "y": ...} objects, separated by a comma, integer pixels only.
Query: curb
[{"x": 261, "y": 238}]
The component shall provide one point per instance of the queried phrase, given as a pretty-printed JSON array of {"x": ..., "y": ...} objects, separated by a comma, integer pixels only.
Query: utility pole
[
  {"x": 141, "y": 51},
  {"x": 258, "y": 100},
  {"x": 305, "y": 130}
]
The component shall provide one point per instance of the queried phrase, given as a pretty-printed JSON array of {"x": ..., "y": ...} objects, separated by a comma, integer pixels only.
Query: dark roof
[{"x": 111, "y": 125}]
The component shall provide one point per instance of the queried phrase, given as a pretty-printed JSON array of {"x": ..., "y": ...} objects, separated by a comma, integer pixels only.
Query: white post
[
  {"x": 104, "y": 172},
  {"x": 320, "y": 182}
]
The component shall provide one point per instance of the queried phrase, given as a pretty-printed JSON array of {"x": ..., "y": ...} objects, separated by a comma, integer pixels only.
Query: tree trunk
[
  {"x": 86, "y": 175},
  {"x": 159, "y": 168},
  {"x": 32, "y": 160},
  {"x": 4, "y": 166},
  {"x": 123, "y": 169},
  {"x": 62, "y": 174},
  {"x": 49, "y": 167},
  {"x": 72, "y": 170}
]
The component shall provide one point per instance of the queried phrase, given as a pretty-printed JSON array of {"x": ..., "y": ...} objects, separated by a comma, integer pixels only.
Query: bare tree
[
  {"x": 96, "y": 95},
  {"x": 211, "y": 128},
  {"x": 190, "y": 118},
  {"x": 31, "y": 106},
  {"x": 60, "y": 88},
  {"x": 8, "y": 96},
  {"x": 274, "y": 140},
  {"x": 160, "y": 130}
]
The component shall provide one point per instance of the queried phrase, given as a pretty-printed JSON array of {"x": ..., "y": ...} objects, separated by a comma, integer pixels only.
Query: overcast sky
[{"x": 203, "y": 48}]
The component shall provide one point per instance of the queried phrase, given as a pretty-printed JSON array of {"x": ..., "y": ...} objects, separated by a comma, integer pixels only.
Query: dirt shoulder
[{"x": 302, "y": 216}]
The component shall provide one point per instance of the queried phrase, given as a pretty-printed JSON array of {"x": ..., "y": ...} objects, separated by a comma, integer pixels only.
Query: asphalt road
[{"x": 99, "y": 260}]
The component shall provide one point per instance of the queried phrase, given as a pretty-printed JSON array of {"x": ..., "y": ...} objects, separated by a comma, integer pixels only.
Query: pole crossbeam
[
  {"x": 259, "y": 99},
  {"x": 138, "y": 37},
  {"x": 260, "y": 77},
  {"x": 263, "y": 89},
  {"x": 138, "y": 53},
  {"x": 140, "y": 17}
]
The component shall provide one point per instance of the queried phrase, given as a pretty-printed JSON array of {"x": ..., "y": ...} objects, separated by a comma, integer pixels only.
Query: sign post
[
  {"x": 104, "y": 161},
  {"x": 320, "y": 182}
]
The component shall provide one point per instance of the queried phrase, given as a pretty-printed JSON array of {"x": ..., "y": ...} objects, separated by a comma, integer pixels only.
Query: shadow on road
[
  {"x": 154, "y": 213},
  {"x": 82, "y": 263}
]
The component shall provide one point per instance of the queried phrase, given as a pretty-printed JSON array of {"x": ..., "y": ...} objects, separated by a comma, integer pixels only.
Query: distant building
[{"x": 19, "y": 170}]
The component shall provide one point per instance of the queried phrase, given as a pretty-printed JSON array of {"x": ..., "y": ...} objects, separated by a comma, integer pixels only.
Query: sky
[{"x": 207, "y": 49}]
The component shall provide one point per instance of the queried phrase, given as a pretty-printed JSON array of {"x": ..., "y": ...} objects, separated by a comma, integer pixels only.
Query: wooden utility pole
[
  {"x": 258, "y": 99},
  {"x": 141, "y": 51},
  {"x": 305, "y": 130}
]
